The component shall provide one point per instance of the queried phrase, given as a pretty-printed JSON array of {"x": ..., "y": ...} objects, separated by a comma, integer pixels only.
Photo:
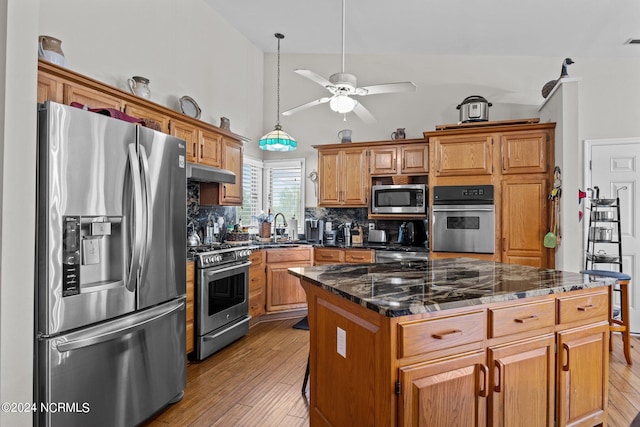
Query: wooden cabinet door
[
  {"x": 522, "y": 383},
  {"x": 582, "y": 376},
  {"x": 463, "y": 155},
  {"x": 355, "y": 180},
  {"x": 189, "y": 134},
  {"x": 328, "y": 179},
  {"x": 284, "y": 291},
  {"x": 383, "y": 161},
  {"x": 445, "y": 392},
  {"x": 91, "y": 98},
  {"x": 210, "y": 149},
  {"x": 414, "y": 159},
  {"x": 525, "y": 221},
  {"x": 231, "y": 194},
  {"x": 49, "y": 89},
  {"x": 145, "y": 113},
  {"x": 524, "y": 152},
  {"x": 257, "y": 284}
]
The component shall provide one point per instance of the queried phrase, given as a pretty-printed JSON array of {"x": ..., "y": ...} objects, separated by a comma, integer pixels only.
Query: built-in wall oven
[
  {"x": 221, "y": 298},
  {"x": 463, "y": 219}
]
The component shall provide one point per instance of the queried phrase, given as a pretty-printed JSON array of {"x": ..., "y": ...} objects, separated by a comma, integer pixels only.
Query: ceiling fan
[{"x": 343, "y": 86}]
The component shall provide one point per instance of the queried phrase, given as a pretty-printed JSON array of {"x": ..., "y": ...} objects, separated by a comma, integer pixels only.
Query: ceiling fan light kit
[
  {"x": 342, "y": 104},
  {"x": 277, "y": 139},
  {"x": 344, "y": 85}
]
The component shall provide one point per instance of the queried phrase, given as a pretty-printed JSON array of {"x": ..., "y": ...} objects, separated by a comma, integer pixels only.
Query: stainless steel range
[{"x": 221, "y": 296}]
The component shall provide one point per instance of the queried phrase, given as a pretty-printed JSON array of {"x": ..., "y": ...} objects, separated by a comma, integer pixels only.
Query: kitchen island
[{"x": 456, "y": 341}]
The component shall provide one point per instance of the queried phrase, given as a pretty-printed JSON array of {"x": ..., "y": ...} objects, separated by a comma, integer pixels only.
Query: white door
[{"x": 615, "y": 163}]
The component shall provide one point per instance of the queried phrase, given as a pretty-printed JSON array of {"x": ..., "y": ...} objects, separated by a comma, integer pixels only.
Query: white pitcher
[
  {"x": 50, "y": 49},
  {"x": 140, "y": 86}
]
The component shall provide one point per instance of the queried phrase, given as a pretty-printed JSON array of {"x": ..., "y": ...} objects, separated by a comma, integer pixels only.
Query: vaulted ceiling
[{"x": 578, "y": 28}]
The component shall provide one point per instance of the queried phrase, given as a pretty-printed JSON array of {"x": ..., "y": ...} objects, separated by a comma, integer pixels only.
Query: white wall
[
  {"x": 183, "y": 48},
  {"x": 562, "y": 107},
  {"x": 18, "y": 32}
]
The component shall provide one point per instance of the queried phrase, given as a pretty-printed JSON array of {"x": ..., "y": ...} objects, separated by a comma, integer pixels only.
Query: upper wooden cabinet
[
  {"x": 210, "y": 148},
  {"x": 147, "y": 113},
  {"x": 406, "y": 159},
  {"x": 206, "y": 144},
  {"x": 524, "y": 152},
  {"x": 189, "y": 133},
  {"x": 90, "y": 97},
  {"x": 231, "y": 194},
  {"x": 463, "y": 155},
  {"x": 343, "y": 177}
]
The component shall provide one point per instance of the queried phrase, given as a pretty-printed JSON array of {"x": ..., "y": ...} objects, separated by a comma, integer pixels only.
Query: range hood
[{"x": 203, "y": 173}]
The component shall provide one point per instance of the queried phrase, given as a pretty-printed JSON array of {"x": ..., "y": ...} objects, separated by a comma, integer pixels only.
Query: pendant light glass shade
[{"x": 277, "y": 139}]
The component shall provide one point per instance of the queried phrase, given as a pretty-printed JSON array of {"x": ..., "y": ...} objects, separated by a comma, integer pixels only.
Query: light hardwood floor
[{"x": 257, "y": 381}]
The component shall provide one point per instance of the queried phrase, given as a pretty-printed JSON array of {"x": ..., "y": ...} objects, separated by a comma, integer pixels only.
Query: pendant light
[{"x": 277, "y": 139}]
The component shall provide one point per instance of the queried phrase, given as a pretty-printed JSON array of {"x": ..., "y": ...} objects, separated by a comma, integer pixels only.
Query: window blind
[
  {"x": 251, "y": 193},
  {"x": 285, "y": 188}
]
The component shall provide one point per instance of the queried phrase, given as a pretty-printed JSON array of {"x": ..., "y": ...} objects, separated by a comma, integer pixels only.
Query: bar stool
[{"x": 622, "y": 324}]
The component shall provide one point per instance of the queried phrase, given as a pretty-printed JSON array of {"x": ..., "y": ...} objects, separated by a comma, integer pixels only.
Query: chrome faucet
[{"x": 275, "y": 225}]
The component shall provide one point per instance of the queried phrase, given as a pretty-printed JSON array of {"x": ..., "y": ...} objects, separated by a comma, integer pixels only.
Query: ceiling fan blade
[
  {"x": 307, "y": 105},
  {"x": 386, "y": 88},
  {"x": 364, "y": 114},
  {"x": 314, "y": 77}
]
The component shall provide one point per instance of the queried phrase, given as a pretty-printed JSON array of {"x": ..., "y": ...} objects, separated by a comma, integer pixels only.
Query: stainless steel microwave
[{"x": 399, "y": 199}]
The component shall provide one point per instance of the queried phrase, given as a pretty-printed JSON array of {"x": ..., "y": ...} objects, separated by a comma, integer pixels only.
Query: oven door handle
[
  {"x": 225, "y": 330},
  {"x": 222, "y": 270},
  {"x": 464, "y": 210}
]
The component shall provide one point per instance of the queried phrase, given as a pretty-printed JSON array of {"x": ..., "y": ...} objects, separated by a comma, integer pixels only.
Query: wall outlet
[
  {"x": 372, "y": 226},
  {"x": 342, "y": 342}
]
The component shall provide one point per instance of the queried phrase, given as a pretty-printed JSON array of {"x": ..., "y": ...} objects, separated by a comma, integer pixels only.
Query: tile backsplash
[{"x": 198, "y": 216}]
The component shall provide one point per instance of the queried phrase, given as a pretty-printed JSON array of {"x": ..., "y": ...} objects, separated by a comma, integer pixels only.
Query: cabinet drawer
[
  {"x": 520, "y": 318},
  {"x": 590, "y": 307},
  {"x": 358, "y": 255},
  {"x": 328, "y": 255},
  {"x": 288, "y": 255},
  {"x": 430, "y": 335}
]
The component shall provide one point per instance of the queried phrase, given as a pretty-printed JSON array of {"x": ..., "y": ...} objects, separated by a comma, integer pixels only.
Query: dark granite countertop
[{"x": 400, "y": 289}]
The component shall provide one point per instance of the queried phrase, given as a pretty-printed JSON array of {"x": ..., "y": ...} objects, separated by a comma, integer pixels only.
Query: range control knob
[{"x": 217, "y": 258}]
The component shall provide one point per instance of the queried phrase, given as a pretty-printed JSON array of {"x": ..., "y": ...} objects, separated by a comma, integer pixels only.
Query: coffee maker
[{"x": 313, "y": 230}]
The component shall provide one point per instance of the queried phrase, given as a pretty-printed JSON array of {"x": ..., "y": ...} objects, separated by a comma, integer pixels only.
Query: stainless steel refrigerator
[{"x": 111, "y": 270}]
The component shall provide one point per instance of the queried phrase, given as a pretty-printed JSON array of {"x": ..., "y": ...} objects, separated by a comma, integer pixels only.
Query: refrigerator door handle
[
  {"x": 148, "y": 205},
  {"x": 113, "y": 331},
  {"x": 137, "y": 223}
]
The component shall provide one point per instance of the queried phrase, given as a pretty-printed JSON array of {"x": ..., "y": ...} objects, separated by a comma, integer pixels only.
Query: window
[
  {"x": 284, "y": 187},
  {"x": 273, "y": 184},
  {"x": 251, "y": 193}
]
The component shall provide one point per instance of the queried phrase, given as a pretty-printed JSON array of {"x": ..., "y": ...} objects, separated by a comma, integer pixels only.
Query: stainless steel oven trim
[
  {"x": 213, "y": 332},
  {"x": 225, "y": 330},
  {"x": 473, "y": 208}
]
